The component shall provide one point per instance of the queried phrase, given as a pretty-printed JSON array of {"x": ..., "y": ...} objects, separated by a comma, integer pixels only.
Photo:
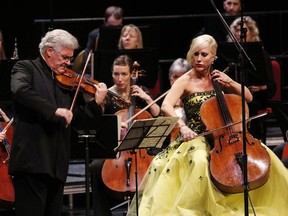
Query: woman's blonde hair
[
  {"x": 251, "y": 25},
  {"x": 129, "y": 28},
  {"x": 201, "y": 42}
]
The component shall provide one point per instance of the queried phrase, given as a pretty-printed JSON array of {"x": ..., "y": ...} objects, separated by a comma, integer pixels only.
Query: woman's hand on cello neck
[
  {"x": 230, "y": 85},
  {"x": 139, "y": 92}
]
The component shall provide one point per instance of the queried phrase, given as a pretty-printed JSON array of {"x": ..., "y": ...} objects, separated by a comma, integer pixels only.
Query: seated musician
[
  {"x": 122, "y": 69},
  {"x": 179, "y": 67},
  {"x": 179, "y": 181}
]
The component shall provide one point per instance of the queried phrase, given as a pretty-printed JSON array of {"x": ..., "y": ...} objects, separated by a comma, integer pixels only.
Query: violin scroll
[{"x": 136, "y": 71}]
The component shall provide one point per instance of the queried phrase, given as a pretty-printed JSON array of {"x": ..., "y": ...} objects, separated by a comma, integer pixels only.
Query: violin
[
  {"x": 6, "y": 183},
  {"x": 226, "y": 157},
  {"x": 70, "y": 80}
]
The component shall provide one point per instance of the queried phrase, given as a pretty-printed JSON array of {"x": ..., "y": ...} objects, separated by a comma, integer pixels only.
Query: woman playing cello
[
  {"x": 122, "y": 69},
  {"x": 178, "y": 180}
]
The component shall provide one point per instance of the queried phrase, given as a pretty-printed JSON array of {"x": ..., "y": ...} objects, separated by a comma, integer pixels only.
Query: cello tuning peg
[
  {"x": 142, "y": 73},
  {"x": 136, "y": 64}
]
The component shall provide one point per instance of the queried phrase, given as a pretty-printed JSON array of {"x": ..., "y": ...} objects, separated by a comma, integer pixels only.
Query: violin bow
[
  {"x": 81, "y": 78},
  {"x": 8, "y": 125},
  {"x": 146, "y": 107}
]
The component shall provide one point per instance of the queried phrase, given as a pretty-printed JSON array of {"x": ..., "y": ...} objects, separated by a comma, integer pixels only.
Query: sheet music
[{"x": 147, "y": 133}]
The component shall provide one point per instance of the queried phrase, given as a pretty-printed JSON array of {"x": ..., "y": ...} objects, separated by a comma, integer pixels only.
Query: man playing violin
[{"x": 40, "y": 152}]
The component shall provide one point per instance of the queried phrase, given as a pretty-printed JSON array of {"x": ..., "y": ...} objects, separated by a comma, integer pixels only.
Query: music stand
[
  {"x": 146, "y": 133},
  {"x": 98, "y": 134},
  {"x": 104, "y": 140}
]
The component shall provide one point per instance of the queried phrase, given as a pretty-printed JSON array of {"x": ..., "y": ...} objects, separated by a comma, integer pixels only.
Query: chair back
[
  {"x": 276, "y": 68},
  {"x": 78, "y": 62}
]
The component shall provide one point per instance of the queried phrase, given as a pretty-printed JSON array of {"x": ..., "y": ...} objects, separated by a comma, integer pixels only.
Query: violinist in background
[
  {"x": 231, "y": 7},
  {"x": 122, "y": 69},
  {"x": 178, "y": 181},
  {"x": 113, "y": 16},
  {"x": 40, "y": 151},
  {"x": 130, "y": 37},
  {"x": 179, "y": 67},
  {"x": 261, "y": 90}
]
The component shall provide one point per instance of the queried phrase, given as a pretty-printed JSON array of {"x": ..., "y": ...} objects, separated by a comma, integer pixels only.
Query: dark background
[
  {"x": 178, "y": 23},
  {"x": 18, "y": 20}
]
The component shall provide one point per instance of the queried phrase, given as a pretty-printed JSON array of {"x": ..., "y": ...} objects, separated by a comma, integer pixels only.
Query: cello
[
  {"x": 118, "y": 174},
  {"x": 6, "y": 183},
  {"x": 226, "y": 157}
]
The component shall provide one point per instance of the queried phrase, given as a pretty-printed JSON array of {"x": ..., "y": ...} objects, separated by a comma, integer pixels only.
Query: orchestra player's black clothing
[{"x": 40, "y": 149}]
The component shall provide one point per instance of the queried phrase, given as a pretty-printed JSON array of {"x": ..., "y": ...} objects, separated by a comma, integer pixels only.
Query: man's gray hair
[{"x": 57, "y": 39}]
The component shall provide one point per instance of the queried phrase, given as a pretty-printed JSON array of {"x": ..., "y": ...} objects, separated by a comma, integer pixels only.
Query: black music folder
[
  {"x": 148, "y": 133},
  {"x": 103, "y": 135}
]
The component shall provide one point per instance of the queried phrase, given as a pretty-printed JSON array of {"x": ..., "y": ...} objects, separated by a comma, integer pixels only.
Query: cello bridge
[{"x": 233, "y": 138}]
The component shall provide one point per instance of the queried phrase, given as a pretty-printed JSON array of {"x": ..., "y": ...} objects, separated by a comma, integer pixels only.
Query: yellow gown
[{"x": 178, "y": 181}]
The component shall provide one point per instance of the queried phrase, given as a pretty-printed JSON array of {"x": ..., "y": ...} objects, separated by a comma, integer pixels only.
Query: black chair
[
  {"x": 270, "y": 120},
  {"x": 280, "y": 112}
]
